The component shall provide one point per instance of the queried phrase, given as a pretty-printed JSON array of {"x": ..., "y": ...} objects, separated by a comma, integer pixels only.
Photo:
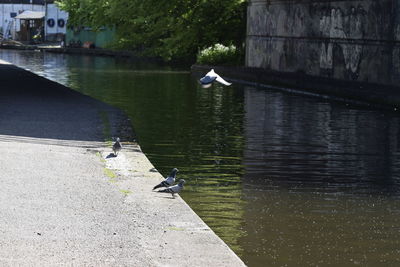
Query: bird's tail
[
  {"x": 162, "y": 184},
  {"x": 166, "y": 190},
  {"x": 157, "y": 186}
]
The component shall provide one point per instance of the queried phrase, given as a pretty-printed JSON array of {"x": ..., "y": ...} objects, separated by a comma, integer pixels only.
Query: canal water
[{"x": 284, "y": 180}]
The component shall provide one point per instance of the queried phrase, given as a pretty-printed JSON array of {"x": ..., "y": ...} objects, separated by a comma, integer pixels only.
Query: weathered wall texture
[{"x": 345, "y": 40}]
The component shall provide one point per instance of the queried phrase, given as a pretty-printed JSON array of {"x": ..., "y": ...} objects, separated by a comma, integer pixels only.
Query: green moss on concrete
[
  {"x": 110, "y": 173},
  {"x": 101, "y": 158},
  {"x": 125, "y": 192}
]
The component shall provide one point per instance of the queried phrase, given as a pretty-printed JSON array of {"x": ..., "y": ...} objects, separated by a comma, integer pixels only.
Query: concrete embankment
[
  {"x": 362, "y": 93},
  {"x": 87, "y": 51},
  {"x": 66, "y": 201}
]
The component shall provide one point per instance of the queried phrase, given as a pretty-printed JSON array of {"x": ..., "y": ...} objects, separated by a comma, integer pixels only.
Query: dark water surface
[{"x": 285, "y": 180}]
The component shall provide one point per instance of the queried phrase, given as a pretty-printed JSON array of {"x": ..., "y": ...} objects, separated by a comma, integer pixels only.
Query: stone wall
[{"x": 343, "y": 39}]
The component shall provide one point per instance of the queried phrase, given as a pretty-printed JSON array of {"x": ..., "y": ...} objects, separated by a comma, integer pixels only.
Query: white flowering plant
[{"x": 219, "y": 54}]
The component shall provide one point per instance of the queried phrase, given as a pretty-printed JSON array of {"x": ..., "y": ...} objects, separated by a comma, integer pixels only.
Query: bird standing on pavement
[
  {"x": 116, "y": 147},
  {"x": 173, "y": 189},
  {"x": 170, "y": 180},
  {"x": 210, "y": 77}
]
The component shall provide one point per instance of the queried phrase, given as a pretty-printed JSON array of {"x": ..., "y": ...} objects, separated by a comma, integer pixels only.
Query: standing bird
[
  {"x": 170, "y": 180},
  {"x": 173, "y": 189},
  {"x": 116, "y": 147},
  {"x": 210, "y": 77}
]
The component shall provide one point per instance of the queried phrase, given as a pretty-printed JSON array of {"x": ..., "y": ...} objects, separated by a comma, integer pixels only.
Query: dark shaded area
[
  {"x": 111, "y": 155},
  {"x": 310, "y": 145},
  {"x": 32, "y": 106}
]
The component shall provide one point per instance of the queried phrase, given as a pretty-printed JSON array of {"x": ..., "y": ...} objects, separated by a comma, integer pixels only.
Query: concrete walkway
[{"x": 64, "y": 201}]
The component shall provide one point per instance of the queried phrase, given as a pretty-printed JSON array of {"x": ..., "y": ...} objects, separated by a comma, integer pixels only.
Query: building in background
[
  {"x": 31, "y": 27},
  {"x": 32, "y": 21},
  {"x": 56, "y": 22}
]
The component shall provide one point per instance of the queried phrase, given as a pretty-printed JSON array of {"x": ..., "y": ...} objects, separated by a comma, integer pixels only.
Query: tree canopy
[{"x": 171, "y": 29}]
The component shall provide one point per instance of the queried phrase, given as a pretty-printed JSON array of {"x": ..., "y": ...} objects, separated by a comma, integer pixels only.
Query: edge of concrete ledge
[
  {"x": 197, "y": 243},
  {"x": 204, "y": 247},
  {"x": 163, "y": 220}
]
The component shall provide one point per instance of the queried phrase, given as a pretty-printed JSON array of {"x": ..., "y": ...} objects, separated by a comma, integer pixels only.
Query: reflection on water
[
  {"x": 307, "y": 142},
  {"x": 283, "y": 179},
  {"x": 323, "y": 183}
]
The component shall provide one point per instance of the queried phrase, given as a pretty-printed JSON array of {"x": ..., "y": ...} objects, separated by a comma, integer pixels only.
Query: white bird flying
[
  {"x": 116, "y": 147},
  {"x": 173, "y": 189},
  {"x": 170, "y": 180},
  {"x": 211, "y": 77}
]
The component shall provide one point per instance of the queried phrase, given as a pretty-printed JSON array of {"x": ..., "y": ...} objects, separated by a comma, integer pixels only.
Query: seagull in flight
[
  {"x": 211, "y": 77},
  {"x": 116, "y": 147},
  {"x": 170, "y": 180},
  {"x": 173, "y": 189}
]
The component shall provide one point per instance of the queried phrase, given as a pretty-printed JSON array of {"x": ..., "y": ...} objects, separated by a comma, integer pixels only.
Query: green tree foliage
[{"x": 172, "y": 29}]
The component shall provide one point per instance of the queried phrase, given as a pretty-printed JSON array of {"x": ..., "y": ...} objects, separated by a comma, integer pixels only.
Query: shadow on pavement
[{"x": 34, "y": 107}]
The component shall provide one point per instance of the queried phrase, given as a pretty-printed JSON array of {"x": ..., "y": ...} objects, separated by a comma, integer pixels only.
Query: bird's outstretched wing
[
  {"x": 212, "y": 76},
  {"x": 221, "y": 80}
]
